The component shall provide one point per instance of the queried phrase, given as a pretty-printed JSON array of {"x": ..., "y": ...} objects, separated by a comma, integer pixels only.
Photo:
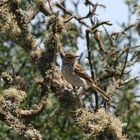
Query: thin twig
[
  {"x": 89, "y": 54},
  {"x": 98, "y": 40},
  {"x": 91, "y": 67},
  {"x": 129, "y": 27},
  {"x": 99, "y": 24},
  {"x": 109, "y": 38},
  {"x": 4, "y": 3},
  {"x": 50, "y": 6},
  {"x": 71, "y": 14},
  {"x": 124, "y": 66}
]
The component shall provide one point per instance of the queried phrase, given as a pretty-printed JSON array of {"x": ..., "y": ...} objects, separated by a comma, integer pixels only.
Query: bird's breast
[{"x": 72, "y": 77}]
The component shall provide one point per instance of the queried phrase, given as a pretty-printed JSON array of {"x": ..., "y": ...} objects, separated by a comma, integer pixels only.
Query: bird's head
[{"x": 69, "y": 58}]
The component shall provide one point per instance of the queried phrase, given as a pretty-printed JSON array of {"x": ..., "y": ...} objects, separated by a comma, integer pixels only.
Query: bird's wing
[{"x": 81, "y": 72}]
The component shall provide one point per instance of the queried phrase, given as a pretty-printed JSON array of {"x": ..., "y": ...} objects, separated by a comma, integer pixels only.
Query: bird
[{"x": 75, "y": 74}]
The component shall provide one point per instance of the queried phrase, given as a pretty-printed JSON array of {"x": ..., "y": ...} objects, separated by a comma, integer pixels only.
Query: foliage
[{"x": 40, "y": 104}]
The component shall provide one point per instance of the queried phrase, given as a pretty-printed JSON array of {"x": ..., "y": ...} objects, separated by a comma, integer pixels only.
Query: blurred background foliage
[{"x": 52, "y": 123}]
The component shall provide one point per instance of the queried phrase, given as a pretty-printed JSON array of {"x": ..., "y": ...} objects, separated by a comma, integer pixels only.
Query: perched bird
[{"x": 75, "y": 74}]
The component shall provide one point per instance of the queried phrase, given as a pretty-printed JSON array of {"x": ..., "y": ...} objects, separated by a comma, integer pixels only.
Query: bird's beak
[{"x": 77, "y": 56}]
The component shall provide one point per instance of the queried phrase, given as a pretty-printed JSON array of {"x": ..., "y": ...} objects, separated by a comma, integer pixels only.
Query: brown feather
[
  {"x": 81, "y": 72},
  {"x": 69, "y": 60}
]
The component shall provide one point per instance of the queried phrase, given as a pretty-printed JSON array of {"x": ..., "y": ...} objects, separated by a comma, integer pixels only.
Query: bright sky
[{"x": 116, "y": 11}]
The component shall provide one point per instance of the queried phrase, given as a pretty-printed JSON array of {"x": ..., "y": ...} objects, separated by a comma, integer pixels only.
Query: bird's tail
[{"x": 103, "y": 94}]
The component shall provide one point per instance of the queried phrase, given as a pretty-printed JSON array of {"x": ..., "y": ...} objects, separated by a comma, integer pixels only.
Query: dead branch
[{"x": 90, "y": 65}]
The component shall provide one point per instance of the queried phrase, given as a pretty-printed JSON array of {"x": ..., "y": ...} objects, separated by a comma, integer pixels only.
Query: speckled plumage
[
  {"x": 76, "y": 75},
  {"x": 71, "y": 77}
]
